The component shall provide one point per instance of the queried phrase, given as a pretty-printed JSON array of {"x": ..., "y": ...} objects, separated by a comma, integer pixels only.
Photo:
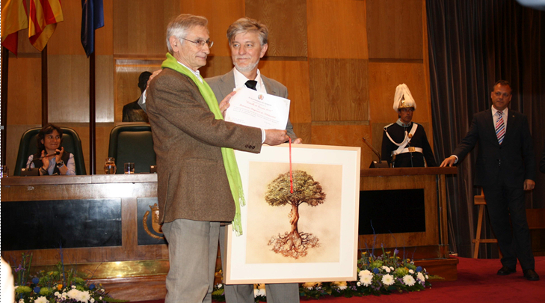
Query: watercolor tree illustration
[{"x": 294, "y": 243}]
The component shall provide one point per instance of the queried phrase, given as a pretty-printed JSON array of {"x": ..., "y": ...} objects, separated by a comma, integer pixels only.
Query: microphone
[
  {"x": 376, "y": 164},
  {"x": 53, "y": 154},
  {"x": 372, "y": 148}
]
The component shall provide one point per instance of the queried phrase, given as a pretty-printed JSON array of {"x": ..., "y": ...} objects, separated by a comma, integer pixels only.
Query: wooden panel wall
[
  {"x": 139, "y": 27},
  {"x": 341, "y": 63},
  {"x": 395, "y": 29}
]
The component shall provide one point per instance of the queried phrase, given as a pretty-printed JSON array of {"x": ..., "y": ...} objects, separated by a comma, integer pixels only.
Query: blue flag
[{"x": 92, "y": 18}]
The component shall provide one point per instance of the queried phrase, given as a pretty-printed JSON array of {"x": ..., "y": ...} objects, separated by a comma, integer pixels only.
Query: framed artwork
[{"x": 306, "y": 234}]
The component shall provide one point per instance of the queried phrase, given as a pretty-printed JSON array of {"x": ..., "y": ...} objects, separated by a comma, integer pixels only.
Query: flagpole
[
  {"x": 91, "y": 19},
  {"x": 92, "y": 114},
  {"x": 4, "y": 104},
  {"x": 45, "y": 100}
]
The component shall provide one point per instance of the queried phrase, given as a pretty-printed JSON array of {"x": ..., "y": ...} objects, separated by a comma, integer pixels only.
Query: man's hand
[
  {"x": 529, "y": 184},
  {"x": 155, "y": 73},
  {"x": 297, "y": 141},
  {"x": 224, "y": 104},
  {"x": 448, "y": 162},
  {"x": 275, "y": 136}
]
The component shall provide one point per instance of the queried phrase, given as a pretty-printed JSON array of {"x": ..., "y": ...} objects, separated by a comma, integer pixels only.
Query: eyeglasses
[{"x": 200, "y": 43}]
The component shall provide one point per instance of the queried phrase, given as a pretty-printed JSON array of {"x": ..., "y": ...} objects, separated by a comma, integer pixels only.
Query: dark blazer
[
  {"x": 132, "y": 112},
  {"x": 191, "y": 177},
  {"x": 223, "y": 85},
  {"x": 512, "y": 162}
]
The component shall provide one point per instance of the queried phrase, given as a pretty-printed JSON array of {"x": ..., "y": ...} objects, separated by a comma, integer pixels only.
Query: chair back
[
  {"x": 132, "y": 143},
  {"x": 70, "y": 141}
]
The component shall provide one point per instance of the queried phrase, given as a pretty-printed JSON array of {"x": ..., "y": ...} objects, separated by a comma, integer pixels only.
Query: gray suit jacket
[
  {"x": 191, "y": 178},
  {"x": 224, "y": 85}
]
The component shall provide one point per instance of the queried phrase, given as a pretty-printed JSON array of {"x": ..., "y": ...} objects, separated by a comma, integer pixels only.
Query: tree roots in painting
[{"x": 294, "y": 244}]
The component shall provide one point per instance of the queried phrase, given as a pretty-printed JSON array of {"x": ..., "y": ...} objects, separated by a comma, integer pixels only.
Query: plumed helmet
[{"x": 403, "y": 98}]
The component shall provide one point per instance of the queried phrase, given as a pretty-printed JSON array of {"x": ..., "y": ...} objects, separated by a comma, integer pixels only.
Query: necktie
[
  {"x": 500, "y": 128},
  {"x": 251, "y": 84}
]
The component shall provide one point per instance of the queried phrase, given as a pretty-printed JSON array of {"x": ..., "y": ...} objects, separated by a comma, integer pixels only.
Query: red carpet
[{"x": 477, "y": 282}]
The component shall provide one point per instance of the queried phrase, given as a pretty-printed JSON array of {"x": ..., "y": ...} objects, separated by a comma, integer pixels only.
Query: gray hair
[
  {"x": 179, "y": 26},
  {"x": 244, "y": 25}
]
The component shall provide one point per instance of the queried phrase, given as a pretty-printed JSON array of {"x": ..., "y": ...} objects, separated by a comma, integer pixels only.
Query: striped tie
[{"x": 500, "y": 128}]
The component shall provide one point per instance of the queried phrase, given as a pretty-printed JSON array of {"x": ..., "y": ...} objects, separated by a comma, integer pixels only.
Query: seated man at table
[
  {"x": 50, "y": 157},
  {"x": 404, "y": 143},
  {"x": 132, "y": 112}
]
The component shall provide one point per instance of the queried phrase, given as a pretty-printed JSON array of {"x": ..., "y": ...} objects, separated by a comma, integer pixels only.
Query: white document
[{"x": 252, "y": 108}]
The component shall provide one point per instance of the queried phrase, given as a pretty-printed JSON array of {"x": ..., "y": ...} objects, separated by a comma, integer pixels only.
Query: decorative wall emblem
[{"x": 155, "y": 225}]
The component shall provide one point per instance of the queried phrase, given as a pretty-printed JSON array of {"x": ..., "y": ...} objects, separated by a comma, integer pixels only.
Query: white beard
[{"x": 245, "y": 69}]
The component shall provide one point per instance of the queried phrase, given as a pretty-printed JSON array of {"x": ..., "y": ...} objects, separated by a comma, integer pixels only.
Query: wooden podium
[
  {"x": 103, "y": 223},
  {"x": 99, "y": 220},
  {"x": 429, "y": 246}
]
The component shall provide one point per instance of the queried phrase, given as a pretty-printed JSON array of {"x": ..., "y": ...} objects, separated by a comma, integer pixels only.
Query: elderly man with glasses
[{"x": 198, "y": 183}]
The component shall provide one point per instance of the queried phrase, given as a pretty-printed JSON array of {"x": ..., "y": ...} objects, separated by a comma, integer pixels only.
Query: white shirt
[
  {"x": 197, "y": 73},
  {"x": 240, "y": 81},
  {"x": 495, "y": 117}
]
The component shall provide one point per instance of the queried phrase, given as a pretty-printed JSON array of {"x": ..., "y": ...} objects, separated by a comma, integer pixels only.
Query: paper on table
[{"x": 252, "y": 108}]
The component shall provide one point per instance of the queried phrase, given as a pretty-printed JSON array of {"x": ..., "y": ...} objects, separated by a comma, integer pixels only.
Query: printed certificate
[{"x": 252, "y": 108}]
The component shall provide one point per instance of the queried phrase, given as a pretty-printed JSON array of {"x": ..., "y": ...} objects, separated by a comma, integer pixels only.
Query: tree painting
[{"x": 294, "y": 243}]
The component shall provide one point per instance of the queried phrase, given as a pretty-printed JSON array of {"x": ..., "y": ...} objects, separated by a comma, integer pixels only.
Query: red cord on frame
[{"x": 291, "y": 173}]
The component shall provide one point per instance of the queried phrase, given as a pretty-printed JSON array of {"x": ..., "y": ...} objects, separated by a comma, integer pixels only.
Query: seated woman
[{"x": 50, "y": 157}]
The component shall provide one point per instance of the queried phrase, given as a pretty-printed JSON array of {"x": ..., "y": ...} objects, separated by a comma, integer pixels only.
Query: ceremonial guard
[{"x": 404, "y": 143}]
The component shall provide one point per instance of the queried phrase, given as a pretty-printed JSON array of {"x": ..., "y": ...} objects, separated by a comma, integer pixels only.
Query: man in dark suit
[
  {"x": 248, "y": 43},
  {"x": 132, "y": 112},
  {"x": 198, "y": 184},
  {"x": 505, "y": 168}
]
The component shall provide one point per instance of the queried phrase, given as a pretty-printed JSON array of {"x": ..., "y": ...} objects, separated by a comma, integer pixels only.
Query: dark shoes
[
  {"x": 530, "y": 275},
  {"x": 504, "y": 271}
]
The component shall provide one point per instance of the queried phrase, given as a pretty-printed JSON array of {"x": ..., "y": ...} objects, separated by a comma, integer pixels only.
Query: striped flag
[
  {"x": 14, "y": 19},
  {"x": 44, "y": 16},
  {"x": 92, "y": 18}
]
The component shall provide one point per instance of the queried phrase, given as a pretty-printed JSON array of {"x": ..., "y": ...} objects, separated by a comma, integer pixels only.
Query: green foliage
[
  {"x": 56, "y": 286},
  {"x": 378, "y": 275},
  {"x": 305, "y": 190}
]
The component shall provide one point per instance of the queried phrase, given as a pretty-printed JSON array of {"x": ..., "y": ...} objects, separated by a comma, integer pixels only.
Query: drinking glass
[
  {"x": 109, "y": 166},
  {"x": 129, "y": 168}
]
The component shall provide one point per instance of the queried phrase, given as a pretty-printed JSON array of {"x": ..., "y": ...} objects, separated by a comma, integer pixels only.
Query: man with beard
[{"x": 248, "y": 43}]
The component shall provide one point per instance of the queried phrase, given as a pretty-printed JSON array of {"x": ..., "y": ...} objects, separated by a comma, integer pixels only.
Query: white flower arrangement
[
  {"x": 376, "y": 275},
  {"x": 59, "y": 285}
]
